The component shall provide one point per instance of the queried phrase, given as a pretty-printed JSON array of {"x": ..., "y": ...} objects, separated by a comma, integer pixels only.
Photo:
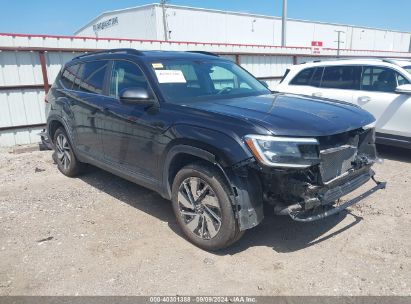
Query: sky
[{"x": 65, "y": 17}]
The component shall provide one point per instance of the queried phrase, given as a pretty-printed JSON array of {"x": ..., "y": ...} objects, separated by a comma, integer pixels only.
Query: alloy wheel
[
  {"x": 199, "y": 207},
  {"x": 63, "y": 151}
]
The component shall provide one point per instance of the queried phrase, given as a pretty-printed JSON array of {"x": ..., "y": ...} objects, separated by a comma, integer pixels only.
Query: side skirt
[
  {"x": 123, "y": 172},
  {"x": 393, "y": 140}
]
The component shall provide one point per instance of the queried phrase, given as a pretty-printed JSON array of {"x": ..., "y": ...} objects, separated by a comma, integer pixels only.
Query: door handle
[
  {"x": 317, "y": 94},
  {"x": 364, "y": 99}
]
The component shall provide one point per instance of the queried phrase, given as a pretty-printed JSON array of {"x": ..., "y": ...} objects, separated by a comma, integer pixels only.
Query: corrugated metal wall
[
  {"x": 22, "y": 96},
  {"x": 21, "y": 108},
  {"x": 22, "y": 86}
]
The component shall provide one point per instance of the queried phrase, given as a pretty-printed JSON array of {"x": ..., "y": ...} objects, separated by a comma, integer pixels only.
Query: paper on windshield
[
  {"x": 157, "y": 65},
  {"x": 170, "y": 76}
]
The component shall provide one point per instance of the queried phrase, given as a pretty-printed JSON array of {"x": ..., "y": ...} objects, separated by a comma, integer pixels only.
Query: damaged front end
[{"x": 304, "y": 178}]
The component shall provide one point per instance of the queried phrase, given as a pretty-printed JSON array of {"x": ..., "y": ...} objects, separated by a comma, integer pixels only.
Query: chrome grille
[{"x": 336, "y": 161}]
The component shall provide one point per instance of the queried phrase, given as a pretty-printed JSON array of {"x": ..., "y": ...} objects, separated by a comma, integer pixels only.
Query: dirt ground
[{"x": 101, "y": 235}]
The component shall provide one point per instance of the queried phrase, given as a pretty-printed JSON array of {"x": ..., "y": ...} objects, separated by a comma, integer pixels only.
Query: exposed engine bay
[{"x": 343, "y": 165}]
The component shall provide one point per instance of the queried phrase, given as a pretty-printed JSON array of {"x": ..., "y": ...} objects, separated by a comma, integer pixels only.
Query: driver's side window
[
  {"x": 402, "y": 80},
  {"x": 381, "y": 79},
  {"x": 126, "y": 75}
]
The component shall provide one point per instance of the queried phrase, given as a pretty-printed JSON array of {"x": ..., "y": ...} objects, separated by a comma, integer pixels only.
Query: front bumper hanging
[
  {"x": 309, "y": 216},
  {"x": 45, "y": 141}
]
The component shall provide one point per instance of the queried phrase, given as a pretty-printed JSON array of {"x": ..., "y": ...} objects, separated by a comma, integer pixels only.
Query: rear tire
[
  {"x": 203, "y": 208},
  {"x": 64, "y": 156}
]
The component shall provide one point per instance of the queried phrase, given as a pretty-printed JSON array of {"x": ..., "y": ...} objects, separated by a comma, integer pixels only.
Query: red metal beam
[
  {"x": 237, "y": 59},
  {"x": 149, "y": 40},
  {"x": 22, "y": 126},
  {"x": 22, "y": 87},
  {"x": 82, "y": 50},
  {"x": 187, "y": 42},
  {"x": 45, "y": 49},
  {"x": 44, "y": 71},
  {"x": 307, "y": 55}
]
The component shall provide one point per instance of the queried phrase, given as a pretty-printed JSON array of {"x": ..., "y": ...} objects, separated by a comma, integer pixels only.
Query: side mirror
[
  {"x": 404, "y": 89},
  {"x": 265, "y": 83},
  {"x": 137, "y": 95}
]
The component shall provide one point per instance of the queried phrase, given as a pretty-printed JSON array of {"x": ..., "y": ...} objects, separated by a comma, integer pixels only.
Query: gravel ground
[{"x": 101, "y": 235}]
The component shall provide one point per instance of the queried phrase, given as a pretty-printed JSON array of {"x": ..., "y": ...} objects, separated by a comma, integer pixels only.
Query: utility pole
[
  {"x": 284, "y": 24},
  {"x": 339, "y": 42},
  {"x": 163, "y": 7}
]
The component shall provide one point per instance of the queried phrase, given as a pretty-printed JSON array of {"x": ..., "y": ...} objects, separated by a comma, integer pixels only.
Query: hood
[{"x": 292, "y": 115}]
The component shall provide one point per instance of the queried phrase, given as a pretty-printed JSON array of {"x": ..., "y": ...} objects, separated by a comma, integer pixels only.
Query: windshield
[
  {"x": 408, "y": 68},
  {"x": 187, "y": 81}
]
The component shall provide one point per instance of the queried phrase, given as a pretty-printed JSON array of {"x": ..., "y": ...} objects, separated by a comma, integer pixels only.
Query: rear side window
[
  {"x": 317, "y": 76},
  {"x": 309, "y": 77},
  {"x": 68, "y": 76},
  {"x": 90, "y": 77},
  {"x": 342, "y": 77},
  {"x": 380, "y": 79},
  {"x": 303, "y": 78}
]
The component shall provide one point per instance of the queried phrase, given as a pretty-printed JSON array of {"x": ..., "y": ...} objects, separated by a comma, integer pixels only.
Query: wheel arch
[
  {"x": 53, "y": 123},
  {"x": 52, "y": 127},
  {"x": 245, "y": 191},
  {"x": 181, "y": 155}
]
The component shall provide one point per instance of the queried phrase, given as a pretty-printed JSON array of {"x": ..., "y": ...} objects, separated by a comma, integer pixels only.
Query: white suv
[{"x": 380, "y": 86}]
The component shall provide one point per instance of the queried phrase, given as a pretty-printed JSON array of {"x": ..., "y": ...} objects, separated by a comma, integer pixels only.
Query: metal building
[{"x": 180, "y": 23}]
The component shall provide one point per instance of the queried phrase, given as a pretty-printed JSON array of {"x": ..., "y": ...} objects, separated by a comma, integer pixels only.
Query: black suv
[{"x": 205, "y": 134}]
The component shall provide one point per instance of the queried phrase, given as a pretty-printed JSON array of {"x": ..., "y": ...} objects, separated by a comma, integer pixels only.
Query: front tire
[
  {"x": 64, "y": 156},
  {"x": 203, "y": 207}
]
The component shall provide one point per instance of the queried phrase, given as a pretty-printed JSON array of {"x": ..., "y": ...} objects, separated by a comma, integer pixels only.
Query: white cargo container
[{"x": 206, "y": 25}]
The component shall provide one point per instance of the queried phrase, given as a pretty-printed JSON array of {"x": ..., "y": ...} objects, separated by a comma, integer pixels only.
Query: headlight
[{"x": 291, "y": 152}]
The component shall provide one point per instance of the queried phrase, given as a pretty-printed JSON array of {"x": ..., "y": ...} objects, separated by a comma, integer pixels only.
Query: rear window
[{"x": 342, "y": 77}]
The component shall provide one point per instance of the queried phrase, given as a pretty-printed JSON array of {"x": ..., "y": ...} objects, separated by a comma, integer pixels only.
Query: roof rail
[
  {"x": 112, "y": 51},
  {"x": 388, "y": 60},
  {"x": 204, "y": 53}
]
